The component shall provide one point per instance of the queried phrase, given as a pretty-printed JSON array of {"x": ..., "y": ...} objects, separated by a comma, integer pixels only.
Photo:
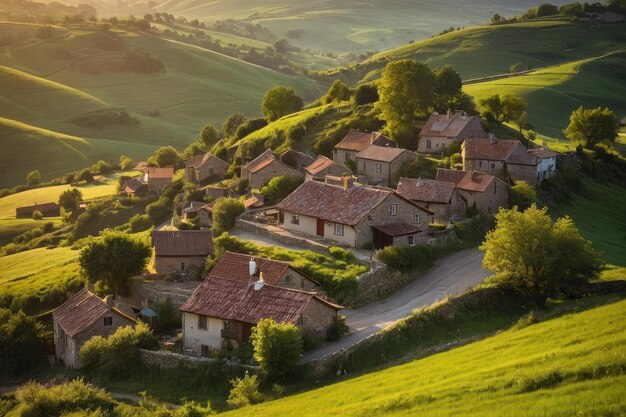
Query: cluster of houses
[{"x": 352, "y": 207}]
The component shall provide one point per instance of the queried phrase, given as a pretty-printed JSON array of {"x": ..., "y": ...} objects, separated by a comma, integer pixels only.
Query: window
[
  {"x": 226, "y": 325},
  {"x": 393, "y": 209},
  {"x": 495, "y": 187},
  {"x": 288, "y": 279},
  {"x": 183, "y": 267},
  {"x": 202, "y": 322},
  {"x": 210, "y": 170},
  {"x": 301, "y": 321},
  {"x": 302, "y": 283},
  {"x": 339, "y": 229},
  {"x": 346, "y": 157},
  {"x": 493, "y": 166},
  {"x": 416, "y": 218},
  {"x": 379, "y": 168},
  {"x": 480, "y": 164},
  {"x": 411, "y": 240},
  {"x": 204, "y": 350},
  {"x": 364, "y": 166},
  {"x": 428, "y": 144},
  {"x": 108, "y": 321},
  {"x": 295, "y": 219}
]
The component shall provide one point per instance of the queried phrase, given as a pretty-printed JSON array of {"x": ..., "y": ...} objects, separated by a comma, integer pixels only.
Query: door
[{"x": 320, "y": 227}]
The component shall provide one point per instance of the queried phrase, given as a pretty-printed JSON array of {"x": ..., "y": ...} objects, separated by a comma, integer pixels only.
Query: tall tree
[
  {"x": 20, "y": 342},
  {"x": 69, "y": 199},
  {"x": 280, "y": 101},
  {"x": 225, "y": 213},
  {"x": 231, "y": 124},
  {"x": 209, "y": 135},
  {"x": 33, "y": 178},
  {"x": 592, "y": 127},
  {"x": 277, "y": 348},
  {"x": 337, "y": 92},
  {"x": 165, "y": 156},
  {"x": 507, "y": 108}
]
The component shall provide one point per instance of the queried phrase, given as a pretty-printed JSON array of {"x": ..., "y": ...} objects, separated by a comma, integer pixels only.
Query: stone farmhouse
[
  {"x": 349, "y": 214},
  {"x": 483, "y": 191},
  {"x": 441, "y": 197},
  {"x": 441, "y": 130},
  {"x": 80, "y": 318},
  {"x": 47, "y": 209},
  {"x": 180, "y": 251},
  {"x": 296, "y": 160},
  {"x": 378, "y": 165},
  {"x": 158, "y": 178},
  {"x": 233, "y": 265},
  {"x": 506, "y": 159},
  {"x": 203, "y": 168},
  {"x": 221, "y": 312},
  {"x": 546, "y": 163},
  {"x": 265, "y": 167},
  {"x": 355, "y": 142},
  {"x": 134, "y": 187},
  {"x": 322, "y": 167}
]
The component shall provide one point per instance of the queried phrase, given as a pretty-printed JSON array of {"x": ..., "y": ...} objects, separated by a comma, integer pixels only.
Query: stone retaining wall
[
  {"x": 167, "y": 360},
  {"x": 260, "y": 229}
]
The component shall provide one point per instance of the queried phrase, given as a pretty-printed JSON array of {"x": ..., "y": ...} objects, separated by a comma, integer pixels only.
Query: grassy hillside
[{"x": 573, "y": 365}]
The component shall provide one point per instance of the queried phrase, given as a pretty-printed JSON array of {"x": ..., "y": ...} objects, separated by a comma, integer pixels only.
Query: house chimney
[
  {"x": 260, "y": 283},
  {"x": 252, "y": 267},
  {"x": 372, "y": 138},
  {"x": 492, "y": 138},
  {"x": 108, "y": 300},
  {"x": 347, "y": 181},
  {"x": 449, "y": 113}
]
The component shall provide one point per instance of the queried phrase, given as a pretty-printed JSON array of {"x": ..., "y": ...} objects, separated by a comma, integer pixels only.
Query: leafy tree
[
  {"x": 165, "y": 156},
  {"x": 245, "y": 391},
  {"x": 522, "y": 195},
  {"x": 448, "y": 81},
  {"x": 20, "y": 342},
  {"x": 250, "y": 126},
  {"x": 592, "y": 127},
  {"x": 418, "y": 167},
  {"x": 33, "y": 178},
  {"x": 114, "y": 258},
  {"x": 277, "y": 348},
  {"x": 37, "y": 215},
  {"x": 496, "y": 18},
  {"x": 281, "y": 46},
  {"x": 280, "y": 101},
  {"x": 209, "y": 135},
  {"x": 537, "y": 254},
  {"x": 279, "y": 187},
  {"x": 69, "y": 199},
  {"x": 337, "y": 92},
  {"x": 365, "y": 94},
  {"x": 225, "y": 213},
  {"x": 546, "y": 9},
  {"x": 507, "y": 108},
  {"x": 85, "y": 175},
  {"x": 125, "y": 162},
  {"x": 169, "y": 315},
  {"x": 405, "y": 87},
  {"x": 231, "y": 124},
  {"x": 102, "y": 167}
]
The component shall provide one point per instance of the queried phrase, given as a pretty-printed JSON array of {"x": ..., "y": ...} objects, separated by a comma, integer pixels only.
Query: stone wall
[
  {"x": 167, "y": 360},
  {"x": 289, "y": 240}
]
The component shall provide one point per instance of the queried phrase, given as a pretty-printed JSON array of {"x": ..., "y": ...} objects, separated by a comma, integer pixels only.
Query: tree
[
  {"x": 165, "y": 156},
  {"x": 33, "y": 178},
  {"x": 85, "y": 175},
  {"x": 69, "y": 199},
  {"x": 225, "y": 213},
  {"x": 20, "y": 342},
  {"x": 113, "y": 259},
  {"x": 245, "y": 391},
  {"x": 522, "y": 195},
  {"x": 337, "y": 92},
  {"x": 496, "y": 18},
  {"x": 365, "y": 94},
  {"x": 209, "y": 135},
  {"x": 537, "y": 254},
  {"x": 280, "y": 101},
  {"x": 592, "y": 127},
  {"x": 546, "y": 9},
  {"x": 231, "y": 124},
  {"x": 125, "y": 162},
  {"x": 517, "y": 67},
  {"x": 279, "y": 187},
  {"x": 507, "y": 108},
  {"x": 277, "y": 348},
  {"x": 37, "y": 215},
  {"x": 405, "y": 87},
  {"x": 448, "y": 91}
]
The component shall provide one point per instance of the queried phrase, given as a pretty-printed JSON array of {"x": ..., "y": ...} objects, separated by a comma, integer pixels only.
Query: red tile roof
[
  {"x": 44, "y": 208},
  {"x": 337, "y": 204},
  {"x": 182, "y": 242},
  {"x": 141, "y": 165},
  {"x": 160, "y": 173},
  {"x": 466, "y": 180},
  {"x": 398, "y": 229},
  {"x": 199, "y": 160},
  {"x": 262, "y": 161},
  {"x": 233, "y": 265},
  {"x": 357, "y": 141},
  {"x": 254, "y": 201},
  {"x": 238, "y": 300},
  {"x": 430, "y": 191},
  {"x": 381, "y": 153},
  {"x": 543, "y": 153},
  {"x": 132, "y": 185},
  {"x": 323, "y": 165},
  {"x": 510, "y": 151},
  {"x": 444, "y": 125},
  {"x": 296, "y": 160}
]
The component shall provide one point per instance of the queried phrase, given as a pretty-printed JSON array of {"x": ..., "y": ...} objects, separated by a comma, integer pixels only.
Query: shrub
[
  {"x": 37, "y": 215},
  {"x": 125, "y": 162},
  {"x": 525, "y": 321},
  {"x": 338, "y": 329},
  {"x": 139, "y": 223},
  {"x": 522, "y": 195},
  {"x": 160, "y": 210},
  {"x": 365, "y": 94},
  {"x": 277, "y": 348},
  {"x": 225, "y": 213},
  {"x": 245, "y": 391},
  {"x": 474, "y": 231},
  {"x": 33, "y": 178},
  {"x": 169, "y": 316},
  {"x": 341, "y": 254},
  {"x": 534, "y": 383},
  {"x": 406, "y": 258},
  {"x": 20, "y": 342},
  {"x": 279, "y": 187}
]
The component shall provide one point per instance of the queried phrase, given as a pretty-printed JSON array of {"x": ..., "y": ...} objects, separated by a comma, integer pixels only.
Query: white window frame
[
  {"x": 429, "y": 144},
  {"x": 338, "y": 229},
  {"x": 417, "y": 217},
  {"x": 393, "y": 209}
]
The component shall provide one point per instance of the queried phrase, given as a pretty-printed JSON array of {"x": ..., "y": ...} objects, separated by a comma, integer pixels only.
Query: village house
[
  {"x": 506, "y": 159},
  {"x": 80, "y": 318},
  {"x": 254, "y": 201},
  {"x": 133, "y": 187},
  {"x": 141, "y": 166},
  {"x": 233, "y": 265},
  {"x": 46, "y": 209},
  {"x": 264, "y": 167},
  {"x": 379, "y": 164},
  {"x": 546, "y": 163},
  {"x": 180, "y": 251},
  {"x": 221, "y": 313},
  {"x": 443, "y": 198},
  {"x": 158, "y": 178},
  {"x": 441, "y": 130},
  {"x": 355, "y": 142},
  {"x": 296, "y": 160},
  {"x": 322, "y": 167},
  {"x": 483, "y": 191},
  {"x": 190, "y": 212},
  {"x": 349, "y": 214},
  {"x": 205, "y": 214},
  {"x": 203, "y": 168}
]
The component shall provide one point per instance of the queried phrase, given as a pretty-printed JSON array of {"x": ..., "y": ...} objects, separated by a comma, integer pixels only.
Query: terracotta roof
[
  {"x": 337, "y": 204},
  {"x": 398, "y": 229},
  {"x": 261, "y": 161},
  {"x": 296, "y": 160},
  {"x": 444, "y": 125},
  {"x": 141, "y": 165},
  {"x": 199, "y": 160},
  {"x": 81, "y": 311},
  {"x": 357, "y": 141},
  {"x": 254, "y": 201},
  {"x": 466, "y": 180},
  {"x": 510, "y": 151},
  {"x": 208, "y": 207},
  {"x": 43, "y": 208},
  {"x": 194, "y": 206},
  {"x": 323, "y": 165},
  {"x": 132, "y": 185},
  {"x": 381, "y": 153},
  {"x": 233, "y": 265},
  {"x": 430, "y": 191},
  {"x": 543, "y": 153},
  {"x": 238, "y": 300},
  {"x": 160, "y": 173},
  {"x": 182, "y": 242}
]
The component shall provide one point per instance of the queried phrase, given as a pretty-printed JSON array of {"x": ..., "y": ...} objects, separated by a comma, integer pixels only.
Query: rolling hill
[{"x": 572, "y": 365}]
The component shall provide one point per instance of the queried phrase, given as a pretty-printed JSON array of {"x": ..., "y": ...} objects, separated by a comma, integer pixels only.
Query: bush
[
  {"x": 245, "y": 391},
  {"x": 341, "y": 254},
  {"x": 160, "y": 210},
  {"x": 279, "y": 187},
  {"x": 365, "y": 94},
  {"x": 20, "y": 342},
  {"x": 33, "y": 178},
  {"x": 406, "y": 258},
  {"x": 37, "y": 215},
  {"x": 225, "y": 212},
  {"x": 338, "y": 329},
  {"x": 525, "y": 321},
  {"x": 169, "y": 316},
  {"x": 474, "y": 231},
  {"x": 139, "y": 223},
  {"x": 522, "y": 195},
  {"x": 277, "y": 348}
]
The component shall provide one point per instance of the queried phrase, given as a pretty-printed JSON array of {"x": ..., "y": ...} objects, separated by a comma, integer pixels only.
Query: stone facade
[
  {"x": 155, "y": 185},
  {"x": 316, "y": 319},
  {"x": 212, "y": 169},
  {"x": 295, "y": 280},
  {"x": 341, "y": 156},
  {"x": 381, "y": 172},
  {"x": 437, "y": 144},
  {"x": 274, "y": 169},
  {"x": 496, "y": 195},
  {"x": 168, "y": 360},
  {"x": 445, "y": 213},
  {"x": 505, "y": 169},
  {"x": 163, "y": 265}
]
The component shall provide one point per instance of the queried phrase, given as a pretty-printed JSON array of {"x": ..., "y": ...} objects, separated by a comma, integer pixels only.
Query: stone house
[
  {"x": 203, "y": 168},
  {"x": 322, "y": 167},
  {"x": 221, "y": 312},
  {"x": 483, "y": 191},
  {"x": 441, "y": 130},
  {"x": 205, "y": 215},
  {"x": 441, "y": 197},
  {"x": 378, "y": 165},
  {"x": 180, "y": 251},
  {"x": 296, "y": 160},
  {"x": 134, "y": 187},
  {"x": 546, "y": 163},
  {"x": 506, "y": 159},
  {"x": 158, "y": 178},
  {"x": 355, "y": 142},
  {"x": 47, "y": 209},
  {"x": 233, "y": 265},
  {"x": 254, "y": 201},
  {"x": 264, "y": 167},
  {"x": 80, "y": 318},
  {"x": 347, "y": 214}
]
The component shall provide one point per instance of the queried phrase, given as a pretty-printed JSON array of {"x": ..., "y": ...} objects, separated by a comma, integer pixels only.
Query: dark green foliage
[
  {"x": 337, "y": 92},
  {"x": 474, "y": 231},
  {"x": 279, "y": 102},
  {"x": 69, "y": 199},
  {"x": 160, "y": 210},
  {"x": 277, "y": 348},
  {"x": 245, "y": 391},
  {"x": 125, "y": 162},
  {"x": 592, "y": 127},
  {"x": 351, "y": 165},
  {"x": 139, "y": 223},
  {"x": 279, "y": 187},
  {"x": 507, "y": 108},
  {"x": 209, "y": 135},
  {"x": 365, "y": 94},
  {"x": 249, "y": 126},
  {"x": 233, "y": 122},
  {"x": 37, "y": 215},
  {"x": 169, "y": 317},
  {"x": 102, "y": 167},
  {"x": 20, "y": 342},
  {"x": 418, "y": 167},
  {"x": 85, "y": 175},
  {"x": 225, "y": 213},
  {"x": 407, "y": 258},
  {"x": 522, "y": 195},
  {"x": 549, "y": 380},
  {"x": 338, "y": 329},
  {"x": 33, "y": 178},
  {"x": 165, "y": 156},
  {"x": 342, "y": 254}
]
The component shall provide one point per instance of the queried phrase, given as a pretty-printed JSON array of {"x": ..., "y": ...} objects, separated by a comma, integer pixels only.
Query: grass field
[
  {"x": 573, "y": 365},
  {"x": 10, "y": 228}
]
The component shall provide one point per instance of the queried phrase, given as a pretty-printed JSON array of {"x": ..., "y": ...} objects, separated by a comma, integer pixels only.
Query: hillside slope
[{"x": 573, "y": 365}]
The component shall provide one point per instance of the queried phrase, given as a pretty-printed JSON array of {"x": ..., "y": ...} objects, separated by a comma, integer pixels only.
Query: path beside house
[{"x": 451, "y": 275}]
